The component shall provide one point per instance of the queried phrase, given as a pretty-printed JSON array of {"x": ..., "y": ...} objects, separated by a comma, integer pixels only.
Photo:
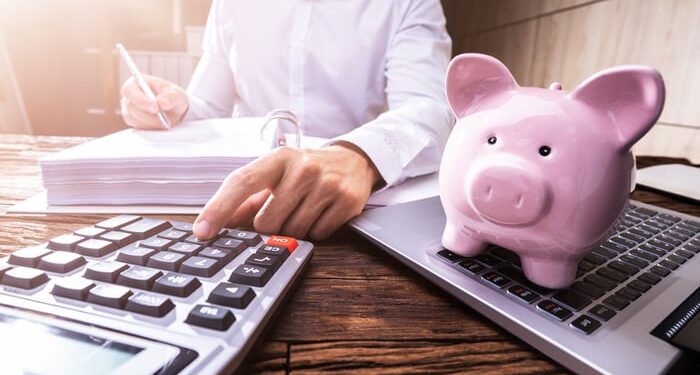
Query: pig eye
[
  {"x": 491, "y": 140},
  {"x": 545, "y": 150}
]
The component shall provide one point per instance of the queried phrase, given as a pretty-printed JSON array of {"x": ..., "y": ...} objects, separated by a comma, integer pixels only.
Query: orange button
[{"x": 288, "y": 242}]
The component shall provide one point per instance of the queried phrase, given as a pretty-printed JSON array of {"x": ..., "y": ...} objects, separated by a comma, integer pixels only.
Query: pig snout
[{"x": 509, "y": 196}]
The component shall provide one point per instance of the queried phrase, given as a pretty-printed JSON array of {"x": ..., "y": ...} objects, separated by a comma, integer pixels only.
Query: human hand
[
  {"x": 292, "y": 192},
  {"x": 142, "y": 113}
]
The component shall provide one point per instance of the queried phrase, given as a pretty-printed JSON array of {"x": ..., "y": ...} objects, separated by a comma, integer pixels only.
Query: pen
[{"x": 141, "y": 82}]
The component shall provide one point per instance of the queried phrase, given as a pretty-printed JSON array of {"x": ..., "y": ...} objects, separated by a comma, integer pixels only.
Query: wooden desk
[{"x": 356, "y": 309}]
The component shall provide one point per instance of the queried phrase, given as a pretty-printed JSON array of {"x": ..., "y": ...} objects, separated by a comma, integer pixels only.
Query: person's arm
[
  {"x": 408, "y": 139},
  {"x": 211, "y": 91},
  {"x": 313, "y": 192}
]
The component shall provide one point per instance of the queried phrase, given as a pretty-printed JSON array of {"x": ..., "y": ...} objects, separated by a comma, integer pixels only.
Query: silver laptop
[{"x": 632, "y": 309}]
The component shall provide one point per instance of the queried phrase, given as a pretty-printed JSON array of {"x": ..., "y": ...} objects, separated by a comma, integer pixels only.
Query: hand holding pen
[{"x": 150, "y": 102}]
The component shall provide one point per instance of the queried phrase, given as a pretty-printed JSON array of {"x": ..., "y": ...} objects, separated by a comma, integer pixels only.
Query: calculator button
[
  {"x": 89, "y": 232},
  {"x": 166, "y": 260},
  {"x": 109, "y": 295},
  {"x": 24, "y": 278},
  {"x": 288, "y": 242},
  {"x": 174, "y": 234},
  {"x": 106, "y": 271},
  {"x": 95, "y": 248},
  {"x": 176, "y": 284},
  {"x": 554, "y": 310},
  {"x": 250, "y": 275},
  {"x": 232, "y": 295},
  {"x": 65, "y": 242},
  {"x": 182, "y": 226},
  {"x": 146, "y": 227},
  {"x": 217, "y": 318},
  {"x": 156, "y": 243},
  {"x": 230, "y": 244},
  {"x": 117, "y": 222},
  {"x": 185, "y": 248},
  {"x": 195, "y": 240},
  {"x": 249, "y": 238},
  {"x": 280, "y": 251},
  {"x": 200, "y": 266},
  {"x": 138, "y": 277},
  {"x": 269, "y": 261},
  {"x": 135, "y": 255},
  {"x": 149, "y": 304},
  {"x": 585, "y": 324},
  {"x": 223, "y": 255},
  {"x": 61, "y": 262},
  {"x": 73, "y": 288},
  {"x": 119, "y": 238},
  {"x": 28, "y": 257}
]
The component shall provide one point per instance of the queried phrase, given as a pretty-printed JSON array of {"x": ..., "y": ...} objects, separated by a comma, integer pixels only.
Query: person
[{"x": 369, "y": 74}]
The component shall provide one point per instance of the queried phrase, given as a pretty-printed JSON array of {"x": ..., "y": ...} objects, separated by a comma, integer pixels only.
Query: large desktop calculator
[{"x": 139, "y": 295}]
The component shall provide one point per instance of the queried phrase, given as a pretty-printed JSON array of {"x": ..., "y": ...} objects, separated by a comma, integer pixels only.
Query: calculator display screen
[{"x": 36, "y": 348}]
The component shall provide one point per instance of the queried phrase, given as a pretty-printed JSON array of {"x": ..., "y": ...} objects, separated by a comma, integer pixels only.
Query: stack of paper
[{"x": 183, "y": 166}]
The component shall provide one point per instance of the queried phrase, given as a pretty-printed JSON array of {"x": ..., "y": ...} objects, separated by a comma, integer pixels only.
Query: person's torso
[{"x": 323, "y": 59}]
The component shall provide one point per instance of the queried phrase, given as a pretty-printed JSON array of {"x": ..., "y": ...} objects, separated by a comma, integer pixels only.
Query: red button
[{"x": 288, "y": 242}]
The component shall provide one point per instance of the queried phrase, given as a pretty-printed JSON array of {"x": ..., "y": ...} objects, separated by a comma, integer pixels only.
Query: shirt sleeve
[
  {"x": 408, "y": 139},
  {"x": 211, "y": 91}
]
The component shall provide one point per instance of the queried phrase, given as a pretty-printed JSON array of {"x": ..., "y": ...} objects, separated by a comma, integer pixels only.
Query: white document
[
  {"x": 183, "y": 166},
  {"x": 411, "y": 190}
]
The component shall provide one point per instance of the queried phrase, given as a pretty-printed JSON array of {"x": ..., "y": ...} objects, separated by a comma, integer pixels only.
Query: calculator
[{"x": 141, "y": 295}]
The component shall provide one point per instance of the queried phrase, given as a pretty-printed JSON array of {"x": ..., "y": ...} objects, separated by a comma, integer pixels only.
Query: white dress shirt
[{"x": 368, "y": 72}]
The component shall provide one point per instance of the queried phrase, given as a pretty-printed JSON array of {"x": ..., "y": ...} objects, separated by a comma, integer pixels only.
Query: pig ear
[
  {"x": 631, "y": 96},
  {"x": 472, "y": 77}
]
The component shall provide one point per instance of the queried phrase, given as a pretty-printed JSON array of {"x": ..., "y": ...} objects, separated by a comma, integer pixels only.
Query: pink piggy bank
[{"x": 542, "y": 172}]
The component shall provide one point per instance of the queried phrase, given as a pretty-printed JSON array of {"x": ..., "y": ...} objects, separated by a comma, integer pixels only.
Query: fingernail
[{"x": 202, "y": 229}]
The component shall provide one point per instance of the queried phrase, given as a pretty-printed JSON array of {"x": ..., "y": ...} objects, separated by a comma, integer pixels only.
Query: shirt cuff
[{"x": 373, "y": 144}]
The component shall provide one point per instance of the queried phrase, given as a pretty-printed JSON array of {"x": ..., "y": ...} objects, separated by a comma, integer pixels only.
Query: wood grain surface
[{"x": 357, "y": 309}]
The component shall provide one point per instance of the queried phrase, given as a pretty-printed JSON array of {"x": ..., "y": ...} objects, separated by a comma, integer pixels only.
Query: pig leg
[
  {"x": 460, "y": 242},
  {"x": 551, "y": 273}
]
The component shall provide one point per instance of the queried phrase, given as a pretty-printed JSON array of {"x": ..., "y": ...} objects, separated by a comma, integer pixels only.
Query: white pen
[{"x": 141, "y": 82}]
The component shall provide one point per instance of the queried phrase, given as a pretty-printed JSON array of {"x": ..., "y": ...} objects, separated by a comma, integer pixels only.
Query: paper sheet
[{"x": 411, "y": 190}]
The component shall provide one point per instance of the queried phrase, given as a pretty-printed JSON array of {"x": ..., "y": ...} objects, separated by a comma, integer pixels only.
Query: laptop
[{"x": 632, "y": 310}]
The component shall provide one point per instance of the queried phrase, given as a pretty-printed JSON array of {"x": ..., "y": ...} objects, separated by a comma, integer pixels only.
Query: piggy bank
[{"x": 542, "y": 172}]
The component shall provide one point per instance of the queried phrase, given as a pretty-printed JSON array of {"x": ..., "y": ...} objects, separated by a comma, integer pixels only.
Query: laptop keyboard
[{"x": 645, "y": 246}]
